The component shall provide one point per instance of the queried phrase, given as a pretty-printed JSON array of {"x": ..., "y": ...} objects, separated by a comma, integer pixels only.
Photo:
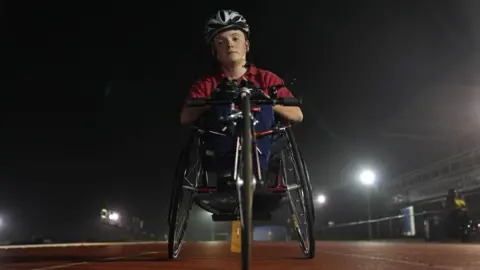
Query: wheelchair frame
[{"x": 176, "y": 232}]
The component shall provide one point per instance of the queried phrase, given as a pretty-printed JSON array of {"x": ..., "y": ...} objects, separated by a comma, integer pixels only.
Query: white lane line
[
  {"x": 444, "y": 267},
  {"x": 102, "y": 260},
  {"x": 60, "y": 266},
  {"x": 81, "y": 245}
]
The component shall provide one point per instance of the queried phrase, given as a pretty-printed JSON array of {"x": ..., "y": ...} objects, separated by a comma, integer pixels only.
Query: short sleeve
[
  {"x": 198, "y": 90},
  {"x": 272, "y": 79}
]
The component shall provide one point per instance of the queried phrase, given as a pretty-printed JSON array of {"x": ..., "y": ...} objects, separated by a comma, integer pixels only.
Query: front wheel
[{"x": 247, "y": 175}]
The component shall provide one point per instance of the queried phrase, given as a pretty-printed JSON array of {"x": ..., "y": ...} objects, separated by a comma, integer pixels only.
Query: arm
[
  {"x": 291, "y": 113},
  {"x": 189, "y": 115}
]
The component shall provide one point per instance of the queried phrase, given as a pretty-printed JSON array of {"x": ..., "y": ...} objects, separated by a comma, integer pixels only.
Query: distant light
[
  {"x": 367, "y": 177},
  {"x": 1, "y": 222},
  {"x": 240, "y": 181},
  {"x": 321, "y": 199},
  {"x": 104, "y": 214},
  {"x": 114, "y": 216}
]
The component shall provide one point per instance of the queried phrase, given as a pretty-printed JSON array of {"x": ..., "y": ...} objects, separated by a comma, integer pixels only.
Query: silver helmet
[{"x": 225, "y": 20}]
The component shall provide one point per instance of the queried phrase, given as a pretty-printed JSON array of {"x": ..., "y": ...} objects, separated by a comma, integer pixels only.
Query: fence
[{"x": 383, "y": 228}]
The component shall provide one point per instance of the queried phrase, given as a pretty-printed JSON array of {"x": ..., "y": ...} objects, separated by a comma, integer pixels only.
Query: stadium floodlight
[
  {"x": 321, "y": 199},
  {"x": 367, "y": 177},
  {"x": 114, "y": 216}
]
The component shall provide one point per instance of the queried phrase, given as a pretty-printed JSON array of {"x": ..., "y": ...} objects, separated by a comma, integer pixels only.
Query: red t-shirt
[{"x": 259, "y": 77}]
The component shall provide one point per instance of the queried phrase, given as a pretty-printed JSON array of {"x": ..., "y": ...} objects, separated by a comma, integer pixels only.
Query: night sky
[{"x": 92, "y": 94}]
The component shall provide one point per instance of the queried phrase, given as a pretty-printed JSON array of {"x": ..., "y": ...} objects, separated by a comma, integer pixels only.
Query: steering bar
[
  {"x": 233, "y": 95},
  {"x": 285, "y": 101}
]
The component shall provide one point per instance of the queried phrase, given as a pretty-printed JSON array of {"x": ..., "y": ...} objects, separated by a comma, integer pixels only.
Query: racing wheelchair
[{"x": 241, "y": 197}]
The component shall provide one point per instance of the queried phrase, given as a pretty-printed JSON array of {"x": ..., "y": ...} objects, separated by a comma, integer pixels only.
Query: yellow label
[
  {"x": 294, "y": 218},
  {"x": 236, "y": 240}
]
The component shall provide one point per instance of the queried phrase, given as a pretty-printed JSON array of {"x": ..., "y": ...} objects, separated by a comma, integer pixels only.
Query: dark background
[{"x": 92, "y": 92}]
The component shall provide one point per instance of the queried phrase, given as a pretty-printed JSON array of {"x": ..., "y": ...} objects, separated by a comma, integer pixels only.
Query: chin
[{"x": 232, "y": 59}]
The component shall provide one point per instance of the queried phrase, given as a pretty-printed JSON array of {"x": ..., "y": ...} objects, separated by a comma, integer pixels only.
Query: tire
[
  {"x": 247, "y": 175},
  {"x": 177, "y": 233},
  {"x": 308, "y": 251}
]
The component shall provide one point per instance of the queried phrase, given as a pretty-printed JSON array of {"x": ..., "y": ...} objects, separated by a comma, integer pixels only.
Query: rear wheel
[
  {"x": 181, "y": 200},
  {"x": 295, "y": 177}
]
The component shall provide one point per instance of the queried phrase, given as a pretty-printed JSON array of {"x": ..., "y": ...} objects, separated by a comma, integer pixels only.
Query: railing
[{"x": 382, "y": 228}]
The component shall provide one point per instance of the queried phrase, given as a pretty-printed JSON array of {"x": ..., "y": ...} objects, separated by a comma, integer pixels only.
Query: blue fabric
[{"x": 223, "y": 147}]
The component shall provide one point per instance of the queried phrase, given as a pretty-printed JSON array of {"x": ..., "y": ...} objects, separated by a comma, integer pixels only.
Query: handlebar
[
  {"x": 257, "y": 97},
  {"x": 286, "y": 101}
]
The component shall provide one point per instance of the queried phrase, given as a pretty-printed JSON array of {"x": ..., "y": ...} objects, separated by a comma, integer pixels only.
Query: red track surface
[{"x": 330, "y": 255}]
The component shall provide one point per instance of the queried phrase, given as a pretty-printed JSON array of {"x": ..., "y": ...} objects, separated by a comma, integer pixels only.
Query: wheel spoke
[
  {"x": 182, "y": 202},
  {"x": 295, "y": 178}
]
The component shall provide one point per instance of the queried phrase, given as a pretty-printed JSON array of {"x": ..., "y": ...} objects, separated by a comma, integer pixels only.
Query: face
[{"x": 231, "y": 47}]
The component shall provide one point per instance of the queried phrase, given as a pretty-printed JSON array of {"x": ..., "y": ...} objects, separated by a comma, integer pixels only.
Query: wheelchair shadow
[
  {"x": 136, "y": 259},
  {"x": 279, "y": 258},
  {"x": 296, "y": 258},
  {"x": 204, "y": 258}
]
